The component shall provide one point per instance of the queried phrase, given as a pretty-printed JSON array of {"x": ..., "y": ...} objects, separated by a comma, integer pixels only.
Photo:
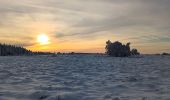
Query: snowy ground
[{"x": 84, "y": 77}]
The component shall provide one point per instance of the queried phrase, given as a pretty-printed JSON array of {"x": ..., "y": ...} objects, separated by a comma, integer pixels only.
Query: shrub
[
  {"x": 165, "y": 53},
  {"x": 134, "y": 52}
]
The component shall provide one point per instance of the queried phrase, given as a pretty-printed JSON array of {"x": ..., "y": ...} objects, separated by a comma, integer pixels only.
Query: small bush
[
  {"x": 134, "y": 52},
  {"x": 165, "y": 53}
]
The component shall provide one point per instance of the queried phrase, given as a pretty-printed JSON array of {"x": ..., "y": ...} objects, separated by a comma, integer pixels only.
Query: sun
[{"x": 43, "y": 39}]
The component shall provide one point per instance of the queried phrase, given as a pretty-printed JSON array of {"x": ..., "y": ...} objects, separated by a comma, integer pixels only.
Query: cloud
[{"x": 134, "y": 20}]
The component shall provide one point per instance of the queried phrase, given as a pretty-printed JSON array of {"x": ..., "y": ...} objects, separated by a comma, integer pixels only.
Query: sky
[{"x": 86, "y": 25}]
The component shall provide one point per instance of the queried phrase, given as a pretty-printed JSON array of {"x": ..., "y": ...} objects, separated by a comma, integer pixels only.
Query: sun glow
[{"x": 43, "y": 39}]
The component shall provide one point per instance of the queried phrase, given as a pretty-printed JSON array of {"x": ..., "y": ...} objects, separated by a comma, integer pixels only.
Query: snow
[{"x": 84, "y": 77}]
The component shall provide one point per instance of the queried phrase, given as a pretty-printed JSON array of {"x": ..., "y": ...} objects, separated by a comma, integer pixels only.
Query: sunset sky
[{"x": 85, "y": 25}]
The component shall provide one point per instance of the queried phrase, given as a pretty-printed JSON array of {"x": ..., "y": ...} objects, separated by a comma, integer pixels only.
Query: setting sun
[{"x": 43, "y": 39}]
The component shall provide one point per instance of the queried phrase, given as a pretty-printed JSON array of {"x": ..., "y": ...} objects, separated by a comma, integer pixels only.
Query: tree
[{"x": 118, "y": 49}]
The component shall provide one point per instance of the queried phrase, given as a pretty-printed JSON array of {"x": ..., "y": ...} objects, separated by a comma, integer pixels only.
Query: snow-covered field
[{"x": 84, "y": 77}]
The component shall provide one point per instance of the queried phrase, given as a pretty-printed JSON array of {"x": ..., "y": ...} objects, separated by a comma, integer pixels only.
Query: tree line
[{"x": 12, "y": 50}]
